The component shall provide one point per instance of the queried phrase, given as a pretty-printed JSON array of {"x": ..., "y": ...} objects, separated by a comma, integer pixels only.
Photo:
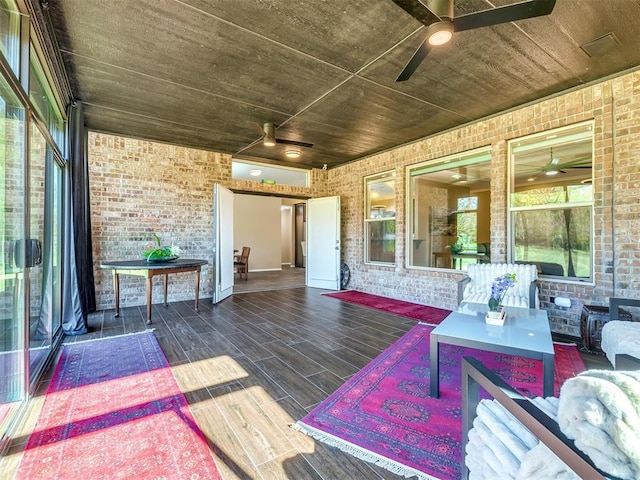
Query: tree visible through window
[
  {"x": 551, "y": 202},
  {"x": 467, "y": 222}
]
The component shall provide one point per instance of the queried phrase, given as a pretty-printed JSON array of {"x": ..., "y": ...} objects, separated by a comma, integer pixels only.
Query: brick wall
[
  {"x": 139, "y": 187},
  {"x": 614, "y": 106}
]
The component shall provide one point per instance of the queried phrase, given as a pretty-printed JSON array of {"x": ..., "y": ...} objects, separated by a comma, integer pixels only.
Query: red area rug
[
  {"x": 425, "y": 314},
  {"x": 384, "y": 413},
  {"x": 113, "y": 410}
]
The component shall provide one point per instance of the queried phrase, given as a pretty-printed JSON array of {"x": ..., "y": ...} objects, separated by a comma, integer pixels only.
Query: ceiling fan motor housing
[{"x": 442, "y": 8}]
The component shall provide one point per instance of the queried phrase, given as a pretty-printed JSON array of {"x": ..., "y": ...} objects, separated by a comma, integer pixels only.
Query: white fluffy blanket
[
  {"x": 600, "y": 410},
  {"x": 498, "y": 443}
]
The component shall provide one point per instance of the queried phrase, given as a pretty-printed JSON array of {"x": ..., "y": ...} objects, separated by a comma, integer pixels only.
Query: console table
[{"x": 142, "y": 268}]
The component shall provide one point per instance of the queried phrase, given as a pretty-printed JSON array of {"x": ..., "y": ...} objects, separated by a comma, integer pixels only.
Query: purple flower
[{"x": 499, "y": 288}]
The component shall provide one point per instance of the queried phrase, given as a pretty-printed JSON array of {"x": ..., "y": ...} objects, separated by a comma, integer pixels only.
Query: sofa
[{"x": 476, "y": 287}]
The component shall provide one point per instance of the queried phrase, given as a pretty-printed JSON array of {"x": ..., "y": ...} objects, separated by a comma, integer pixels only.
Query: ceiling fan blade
[
  {"x": 417, "y": 10},
  {"x": 504, "y": 14},
  {"x": 293, "y": 142},
  {"x": 580, "y": 163},
  {"x": 414, "y": 63}
]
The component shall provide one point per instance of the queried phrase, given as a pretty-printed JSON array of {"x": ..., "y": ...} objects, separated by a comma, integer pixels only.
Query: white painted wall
[{"x": 257, "y": 224}]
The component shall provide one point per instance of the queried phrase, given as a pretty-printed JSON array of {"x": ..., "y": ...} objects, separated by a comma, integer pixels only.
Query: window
[
  {"x": 44, "y": 101},
  {"x": 269, "y": 174},
  {"x": 10, "y": 34},
  {"x": 449, "y": 202},
  {"x": 551, "y": 201},
  {"x": 380, "y": 218}
]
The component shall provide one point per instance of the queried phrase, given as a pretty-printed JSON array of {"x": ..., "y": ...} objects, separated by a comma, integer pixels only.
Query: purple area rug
[
  {"x": 384, "y": 413},
  {"x": 424, "y": 313}
]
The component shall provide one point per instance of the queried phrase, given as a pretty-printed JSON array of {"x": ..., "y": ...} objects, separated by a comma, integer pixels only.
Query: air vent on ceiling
[{"x": 601, "y": 45}]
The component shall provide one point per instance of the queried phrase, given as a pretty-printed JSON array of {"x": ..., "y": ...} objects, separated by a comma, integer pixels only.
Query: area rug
[
  {"x": 384, "y": 413},
  {"x": 424, "y": 313},
  {"x": 113, "y": 410}
]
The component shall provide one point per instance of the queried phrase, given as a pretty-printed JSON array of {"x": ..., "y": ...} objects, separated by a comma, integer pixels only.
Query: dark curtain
[{"x": 80, "y": 297}]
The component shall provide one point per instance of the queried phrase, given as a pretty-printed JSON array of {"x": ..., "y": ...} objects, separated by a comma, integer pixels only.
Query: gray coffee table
[{"x": 525, "y": 333}]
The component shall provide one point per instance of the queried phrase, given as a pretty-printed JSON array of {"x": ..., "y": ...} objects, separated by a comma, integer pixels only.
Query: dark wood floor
[{"x": 255, "y": 364}]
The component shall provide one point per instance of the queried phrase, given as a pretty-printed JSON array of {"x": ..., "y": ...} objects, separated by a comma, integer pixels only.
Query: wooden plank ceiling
[{"x": 199, "y": 72}]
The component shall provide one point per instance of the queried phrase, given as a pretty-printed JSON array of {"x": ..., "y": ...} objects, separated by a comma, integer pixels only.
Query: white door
[
  {"x": 222, "y": 243},
  {"x": 323, "y": 243}
]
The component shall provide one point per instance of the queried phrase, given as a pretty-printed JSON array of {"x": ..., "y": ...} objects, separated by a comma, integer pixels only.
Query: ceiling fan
[
  {"x": 554, "y": 166},
  {"x": 437, "y": 15},
  {"x": 268, "y": 132}
]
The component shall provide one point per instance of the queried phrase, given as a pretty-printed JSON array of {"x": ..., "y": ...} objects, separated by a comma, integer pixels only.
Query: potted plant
[{"x": 155, "y": 252}]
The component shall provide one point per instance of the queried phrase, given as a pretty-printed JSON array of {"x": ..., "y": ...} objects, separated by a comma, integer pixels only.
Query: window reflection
[
  {"x": 380, "y": 213},
  {"x": 551, "y": 201},
  {"x": 450, "y": 211}
]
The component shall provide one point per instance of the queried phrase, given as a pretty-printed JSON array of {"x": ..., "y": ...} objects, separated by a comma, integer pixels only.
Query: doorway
[{"x": 273, "y": 227}]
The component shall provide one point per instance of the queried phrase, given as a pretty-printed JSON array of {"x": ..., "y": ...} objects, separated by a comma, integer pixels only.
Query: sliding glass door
[
  {"x": 12, "y": 252},
  {"x": 32, "y": 134}
]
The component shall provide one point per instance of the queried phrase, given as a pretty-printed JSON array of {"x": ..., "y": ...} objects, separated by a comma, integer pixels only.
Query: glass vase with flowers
[{"x": 499, "y": 288}]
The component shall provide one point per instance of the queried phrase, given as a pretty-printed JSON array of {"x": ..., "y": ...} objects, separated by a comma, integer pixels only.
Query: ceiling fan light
[
  {"x": 292, "y": 153},
  {"x": 551, "y": 172},
  {"x": 439, "y": 33},
  {"x": 269, "y": 141}
]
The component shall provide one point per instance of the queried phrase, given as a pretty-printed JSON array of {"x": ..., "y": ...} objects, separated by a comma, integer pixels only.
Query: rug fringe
[
  {"x": 148, "y": 330},
  {"x": 361, "y": 453}
]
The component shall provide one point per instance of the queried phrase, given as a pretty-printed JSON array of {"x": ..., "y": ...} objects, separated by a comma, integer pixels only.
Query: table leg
[
  {"x": 149, "y": 297},
  {"x": 434, "y": 366},
  {"x": 197, "y": 288},
  {"x": 547, "y": 375},
  {"x": 166, "y": 283},
  {"x": 116, "y": 290}
]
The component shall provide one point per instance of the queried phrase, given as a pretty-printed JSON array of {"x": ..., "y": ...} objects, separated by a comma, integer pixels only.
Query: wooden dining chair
[{"x": 241, "y": 262}]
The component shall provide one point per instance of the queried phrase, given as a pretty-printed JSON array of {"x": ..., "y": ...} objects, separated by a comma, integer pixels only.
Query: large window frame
[
  {"x": 551, "y": 202},
  {"x": 380, "y": 219},
  {"x": 35, "y": 174},
  {"x": 433, "y": 237}
]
